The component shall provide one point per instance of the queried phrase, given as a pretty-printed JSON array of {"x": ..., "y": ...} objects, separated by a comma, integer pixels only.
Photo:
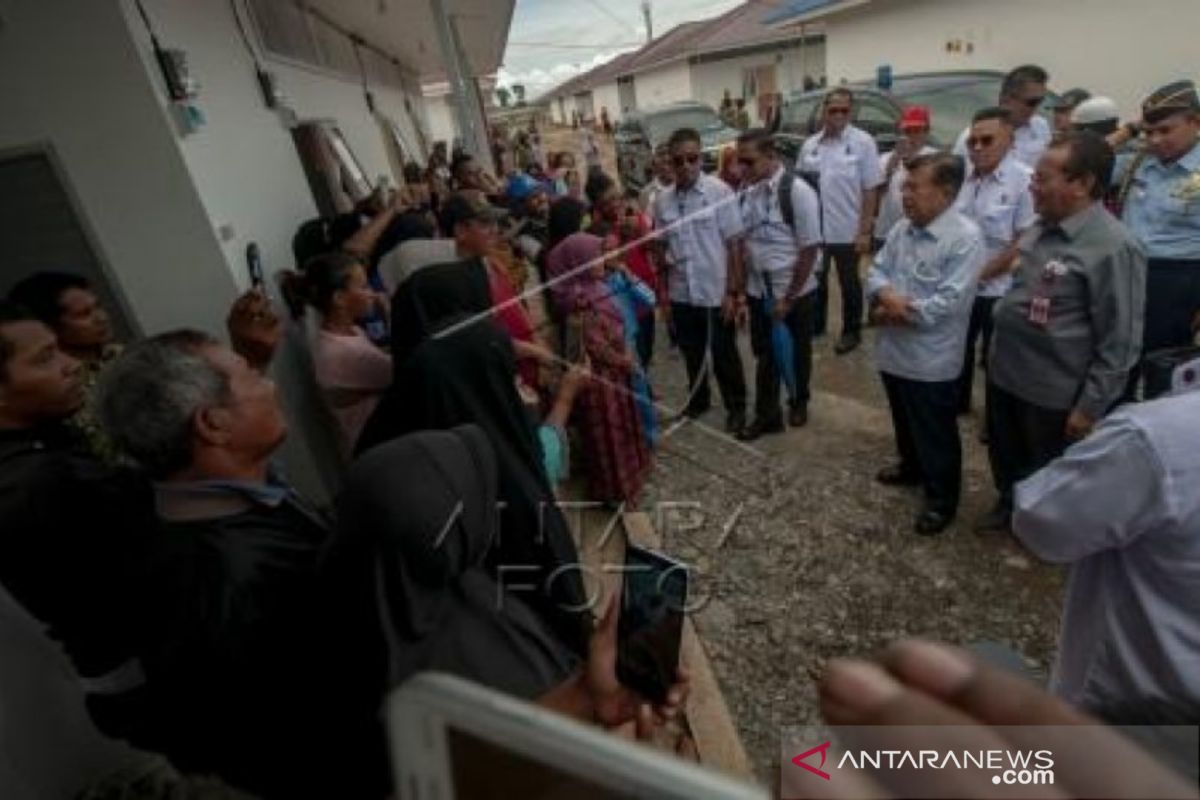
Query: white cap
[{"x": 1095, "y": 109}]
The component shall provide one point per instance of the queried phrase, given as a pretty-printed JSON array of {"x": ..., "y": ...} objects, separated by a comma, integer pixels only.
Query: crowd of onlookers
[{"x": 478, "y": 340}]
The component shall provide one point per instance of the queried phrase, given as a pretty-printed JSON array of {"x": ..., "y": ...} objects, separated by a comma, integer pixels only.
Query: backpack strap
[{"x": 786, "y": 207}]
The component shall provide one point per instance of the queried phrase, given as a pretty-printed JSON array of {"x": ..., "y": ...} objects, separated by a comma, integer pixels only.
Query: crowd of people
[{"x": 479, "y": 340}]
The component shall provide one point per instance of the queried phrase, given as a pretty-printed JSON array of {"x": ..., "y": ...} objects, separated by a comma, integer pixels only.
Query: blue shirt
[
  {"x": 773, "y": 247},
  {"x": 1000, "y": 204},
  {"x": 937, "y": 268},
  {"x": 1121, "y": 508},
  {"x": 1163, "y": 207},
  {"x": 849, "y": 168},
  {"x": 698, "y": 224}
]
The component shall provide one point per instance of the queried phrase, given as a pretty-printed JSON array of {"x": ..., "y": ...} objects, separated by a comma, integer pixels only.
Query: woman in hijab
[
  {"x": 614, "y": 445},
  {"x": 465, "y": 373}
]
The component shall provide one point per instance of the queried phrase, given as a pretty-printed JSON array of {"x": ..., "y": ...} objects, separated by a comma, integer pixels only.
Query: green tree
[
  {"x": 504, "y": 96},
  {"x": 519, "y": 90}
]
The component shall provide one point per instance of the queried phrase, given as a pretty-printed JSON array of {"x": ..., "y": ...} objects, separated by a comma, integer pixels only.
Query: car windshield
[
  {"x": 952, "y": 105},
  {"x": 663, "y": 123}
]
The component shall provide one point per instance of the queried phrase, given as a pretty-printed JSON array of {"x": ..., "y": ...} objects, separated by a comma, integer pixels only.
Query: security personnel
[
  {"x": 782, "y": 243},
  {"x": 1022, "y": 92},
  {"x": 1070, "y": 330},
  {"x": 1162, "y": 210},
  {"x": 995, "y": 197},
  {"x": 920, "y": 289}
]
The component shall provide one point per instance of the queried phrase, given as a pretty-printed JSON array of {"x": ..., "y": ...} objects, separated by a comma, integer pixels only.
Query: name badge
[{"x": 1039, "y": 311}]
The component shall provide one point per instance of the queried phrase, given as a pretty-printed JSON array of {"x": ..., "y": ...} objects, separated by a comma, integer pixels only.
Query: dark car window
[
  {"x": 799, "y": 115},
  {"x": 874, "y": 115},
  {"x": 952, "y": 106},
  {"x": 662, "y": 124}
]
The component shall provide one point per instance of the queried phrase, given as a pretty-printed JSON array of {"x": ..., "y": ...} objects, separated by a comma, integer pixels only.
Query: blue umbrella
[
  {"x": 783, "y": 346},
  {"x": 645, "y": 404}
]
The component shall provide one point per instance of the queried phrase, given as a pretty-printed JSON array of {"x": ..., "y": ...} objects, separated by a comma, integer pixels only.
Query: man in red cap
[{"x": 913, "y": 142}]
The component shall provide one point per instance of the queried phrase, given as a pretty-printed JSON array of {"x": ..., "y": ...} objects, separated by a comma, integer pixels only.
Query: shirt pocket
[{"x": 997, "y": 223}]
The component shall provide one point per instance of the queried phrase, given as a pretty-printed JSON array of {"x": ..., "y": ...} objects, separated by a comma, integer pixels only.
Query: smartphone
[
  {"x": 254, "y": 265},
  {"x": 650, "y": 627},
  {"x": 450, "y": 738}
]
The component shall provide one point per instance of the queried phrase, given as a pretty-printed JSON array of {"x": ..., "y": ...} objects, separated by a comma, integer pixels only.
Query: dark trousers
[
  {"x": 701, "y": 330},
  {"x": 981, "y": 327},
  {"x": 766, "y": 392},
  {"x": 926, "y": 425},
  {"x": 645, "y": 340},
  {"x": 1022, "y": 438},
  {"x": 1172, "y": 302},
  {"x": 846, "y": 260}
]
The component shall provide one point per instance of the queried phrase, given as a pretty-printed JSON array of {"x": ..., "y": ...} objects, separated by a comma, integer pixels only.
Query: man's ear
[{"x": 211, "y": 426}]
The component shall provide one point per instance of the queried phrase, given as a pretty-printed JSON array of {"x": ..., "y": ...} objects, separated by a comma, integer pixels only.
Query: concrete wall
[
  {"x": 668, "y": 84},
  {"x": 1104, "y": 46},
  {"x": 442, "y": 125},
  {"x": 710, "y": 79},
  {"x": 606, "y": 96}
]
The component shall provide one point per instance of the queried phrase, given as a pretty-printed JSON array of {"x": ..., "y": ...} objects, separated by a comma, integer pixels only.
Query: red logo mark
[{"x": 799, "y": 760}]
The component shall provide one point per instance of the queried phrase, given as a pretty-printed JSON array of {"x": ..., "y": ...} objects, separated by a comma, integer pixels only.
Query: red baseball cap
[{"x": 914, "y": 117}]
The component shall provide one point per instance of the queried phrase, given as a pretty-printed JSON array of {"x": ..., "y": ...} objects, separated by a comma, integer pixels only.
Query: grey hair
[{"x": 147, "y": 398}]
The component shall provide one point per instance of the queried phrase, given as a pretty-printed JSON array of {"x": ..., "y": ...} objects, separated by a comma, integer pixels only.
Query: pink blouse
[{"x": 353, "y": 374}]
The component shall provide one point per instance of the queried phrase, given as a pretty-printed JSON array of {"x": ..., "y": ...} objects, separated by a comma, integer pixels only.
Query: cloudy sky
[{"x": 552, "y": 40}]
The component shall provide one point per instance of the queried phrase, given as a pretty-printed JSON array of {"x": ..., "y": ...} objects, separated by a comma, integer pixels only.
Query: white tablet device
[{"x": 455, "y": 740}]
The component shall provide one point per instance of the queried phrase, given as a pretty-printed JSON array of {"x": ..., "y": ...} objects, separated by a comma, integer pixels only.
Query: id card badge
[{"x": 1039, "y": 311}]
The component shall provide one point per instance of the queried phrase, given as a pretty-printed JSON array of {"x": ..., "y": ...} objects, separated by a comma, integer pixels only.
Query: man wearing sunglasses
[
  {"x": 1023, "y": 92},
  {"x": 701, "y": 225},
  {"x": 847, "y": 161},
  {"x": 996, "y": 197}
]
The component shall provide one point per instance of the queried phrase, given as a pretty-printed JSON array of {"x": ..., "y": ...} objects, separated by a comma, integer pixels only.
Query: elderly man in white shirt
[
  {"x": 1122, "y": 508},
  {"x": 783, "y": 237},
  {"x": 847, "y": 161},
  {"x": 996, "y": 197},
  {"x": 701, "y": 222},
  {"x": 914, "y": 141},
  {"x": 1023, "y": 92},
  {"x": 920, "y": 289}
]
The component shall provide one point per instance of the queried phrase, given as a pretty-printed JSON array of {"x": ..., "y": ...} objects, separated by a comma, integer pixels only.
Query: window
[
  {"x": 874, "y": 115},
  {"x": 800, "y": 115},
  {"x": 354, "y": 177}
]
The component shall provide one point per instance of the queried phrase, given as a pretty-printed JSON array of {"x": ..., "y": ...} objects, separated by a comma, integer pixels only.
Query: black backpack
[{"x": 813, "y": 179}]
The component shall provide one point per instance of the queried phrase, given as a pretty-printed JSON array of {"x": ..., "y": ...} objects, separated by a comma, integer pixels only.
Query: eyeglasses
[
  {"x": 980, "y": 141},
  {"x": 748, "y": 163},
  {"x": 1034, "y": 102},
  {"x": 690, "y": 158},
  {"x": 837, "y": 111}
]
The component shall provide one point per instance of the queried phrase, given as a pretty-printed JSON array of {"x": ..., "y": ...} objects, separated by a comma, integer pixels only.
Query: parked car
[
  {"x": 640, "y": 132},
  {"x": 952, "y": 98}
]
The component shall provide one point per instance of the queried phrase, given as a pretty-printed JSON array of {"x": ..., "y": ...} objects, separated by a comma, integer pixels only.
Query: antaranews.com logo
[{"x": 1007, "y": 767}]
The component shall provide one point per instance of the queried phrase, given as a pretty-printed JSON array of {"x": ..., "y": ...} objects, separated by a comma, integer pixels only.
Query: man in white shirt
[
  {"x": 664, "y": 176},
  {"x": 1121, "y": 507},
  {"x": 996, "y": 197},
  {"x": 920, "y": 289},
  {"x": 1023, "y": 92},
  {"x": 847, "y": 161},
  {"x": 913, "y": 142},
  {"x": 783, "y": 237},
  {"x": 701, "y": 222}
]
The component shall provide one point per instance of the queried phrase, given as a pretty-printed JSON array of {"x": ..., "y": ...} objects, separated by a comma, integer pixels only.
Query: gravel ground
[{"x": 799, "y": 556}]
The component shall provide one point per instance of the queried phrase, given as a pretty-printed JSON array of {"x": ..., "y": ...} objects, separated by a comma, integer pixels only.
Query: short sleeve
[
  {"x": 1025, "y": 216},
  {"x": 807, "y": 214},
  {"x": 872, "y": 175},
  {"x": 729, "y": 214}
]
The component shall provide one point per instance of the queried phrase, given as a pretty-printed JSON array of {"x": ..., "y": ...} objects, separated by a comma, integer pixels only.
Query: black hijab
[
  {"x": 431, "y": 295},
  {"x": 467, "y": 376},
  {"x": 429, "y": 500}
]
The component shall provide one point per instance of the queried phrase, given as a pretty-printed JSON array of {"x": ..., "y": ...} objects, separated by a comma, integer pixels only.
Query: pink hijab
[{"x": 581, "y": 289}]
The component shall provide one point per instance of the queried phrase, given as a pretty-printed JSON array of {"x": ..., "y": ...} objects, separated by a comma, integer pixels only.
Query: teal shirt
[{"x": 1163, "y": 207}]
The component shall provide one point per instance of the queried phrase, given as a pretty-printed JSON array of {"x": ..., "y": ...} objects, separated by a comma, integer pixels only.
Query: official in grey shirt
[
  {"x": 1070, "y": 330},
  {"x": 1122, "y": 508},
  {"x": 921, "y": 288}
]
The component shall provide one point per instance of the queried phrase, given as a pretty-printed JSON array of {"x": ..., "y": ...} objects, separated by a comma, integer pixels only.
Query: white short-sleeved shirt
[
  {"x": 849, "y": 166},
  {"x": 774, "y": 247},
  {"x": 698, "y": 223},
  {"x": 1029, "y": 141},
  {"x": 1000, "y": 204},
  {"x": 891, "y": 208}
]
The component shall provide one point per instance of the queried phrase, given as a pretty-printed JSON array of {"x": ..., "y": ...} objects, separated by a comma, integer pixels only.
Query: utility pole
[{"x": 649, "y": 20}]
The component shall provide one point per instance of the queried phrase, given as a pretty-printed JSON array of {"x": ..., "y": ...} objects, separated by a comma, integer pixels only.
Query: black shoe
[
  {"x": 757, "y": 429},
  {"x": 735, "y": 422},
  {"x": 848, "y": 343},
  {"x": 798, "y": 417},
  {"x": 998, "y": 520},
  {"x": 897, "y": 475},
  {"x": 931, "y": 523}
]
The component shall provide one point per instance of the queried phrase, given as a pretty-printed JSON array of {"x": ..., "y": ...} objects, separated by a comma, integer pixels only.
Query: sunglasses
[
  {"x": 690, "y": 158},
  {"x": 839, "y": 112},
  {"x": 748, "y": 163},
  {"x": 980, "y": 141},
  {"x": 1034, "y": 102}
]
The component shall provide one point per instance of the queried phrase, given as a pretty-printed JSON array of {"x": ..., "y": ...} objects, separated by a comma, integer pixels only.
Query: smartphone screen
[{"x": 651, "y": 622}]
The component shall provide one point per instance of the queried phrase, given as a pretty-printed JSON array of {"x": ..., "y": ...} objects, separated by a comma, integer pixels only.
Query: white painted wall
[
  {"x": 606, "y": 96},
  {"x": 1112, "y": 47},
  {"x": 711, "y": 79},
  {"x": 442, "y": 125},
  {"x": 668, "y": 84}
]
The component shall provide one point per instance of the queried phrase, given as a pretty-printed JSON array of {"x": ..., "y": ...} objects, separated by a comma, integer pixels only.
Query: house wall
[
  {"x": 711, "y": 79},
  {"x": 668, "y": 84},
  {"x": 1094, "y": 44},
  {"x": 442, "y": 125},
  {"x": 607, "y": 96}
]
